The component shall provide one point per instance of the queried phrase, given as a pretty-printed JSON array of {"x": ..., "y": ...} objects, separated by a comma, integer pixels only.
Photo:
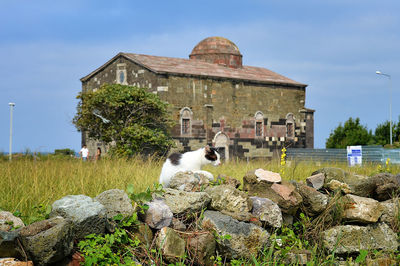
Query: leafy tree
[
  {"x": 132, "y": 119},
  {"x": 351, "y": 133},
  {"x": 382, "y": 132}
]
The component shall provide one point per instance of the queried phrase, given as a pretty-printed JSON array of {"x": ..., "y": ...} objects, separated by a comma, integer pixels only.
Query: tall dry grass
[{"x": 25, "y": 183}]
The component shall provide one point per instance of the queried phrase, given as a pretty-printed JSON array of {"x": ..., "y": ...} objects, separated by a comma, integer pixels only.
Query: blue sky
[{"x": 335, "y": 46}]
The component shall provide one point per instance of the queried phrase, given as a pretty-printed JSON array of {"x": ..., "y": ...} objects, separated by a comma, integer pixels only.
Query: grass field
[{"x": 25, "y": 183}]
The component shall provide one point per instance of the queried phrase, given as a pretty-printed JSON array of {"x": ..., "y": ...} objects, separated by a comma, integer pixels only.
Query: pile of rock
[{"x": 235, "y": 223}]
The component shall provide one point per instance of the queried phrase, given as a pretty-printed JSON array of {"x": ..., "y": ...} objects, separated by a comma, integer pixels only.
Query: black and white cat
[{"x": 189, "y": 161}]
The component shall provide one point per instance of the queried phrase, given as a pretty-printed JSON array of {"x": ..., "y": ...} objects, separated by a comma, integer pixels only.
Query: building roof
[{"x": 180, "y": 66}]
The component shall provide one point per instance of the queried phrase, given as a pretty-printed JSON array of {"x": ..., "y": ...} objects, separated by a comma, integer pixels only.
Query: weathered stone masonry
[{"x": 246, "y": 111}]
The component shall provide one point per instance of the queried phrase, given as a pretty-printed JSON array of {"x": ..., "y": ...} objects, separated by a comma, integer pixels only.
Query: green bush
[{"x": 67, "y": 151}]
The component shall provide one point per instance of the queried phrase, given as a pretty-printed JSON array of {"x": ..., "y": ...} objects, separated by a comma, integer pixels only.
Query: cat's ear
[{"x": 207, "y": 149}]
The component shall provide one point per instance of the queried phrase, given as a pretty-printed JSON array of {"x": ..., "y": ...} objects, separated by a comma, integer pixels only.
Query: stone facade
[{"x": 246, "y": 111}]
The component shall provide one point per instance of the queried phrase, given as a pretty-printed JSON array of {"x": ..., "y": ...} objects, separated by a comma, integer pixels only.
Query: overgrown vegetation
[
  {"x": 119, "y": 247},
  {"x": 29, "y": 181},
  {"x": 132, "y": 118},
  {"x": 353, "y": 133}
]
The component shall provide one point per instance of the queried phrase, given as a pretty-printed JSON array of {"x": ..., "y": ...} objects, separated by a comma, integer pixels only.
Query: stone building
[{"x": 246, "y": 111}]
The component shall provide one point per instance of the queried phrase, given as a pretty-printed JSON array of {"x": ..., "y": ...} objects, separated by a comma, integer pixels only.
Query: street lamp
[
  {"x": 11, "y": 117},
  {"x": 390, "y": 101}
]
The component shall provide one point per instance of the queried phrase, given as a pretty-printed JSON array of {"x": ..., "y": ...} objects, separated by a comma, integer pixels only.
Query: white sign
[{"x": 354, "y": 155}]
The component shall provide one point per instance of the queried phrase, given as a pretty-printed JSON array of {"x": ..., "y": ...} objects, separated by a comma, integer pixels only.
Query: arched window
[
  {"x": 290, "y": 125},
  {"x": 186, "y": 121},
  {"x": 259, "y": 124}
]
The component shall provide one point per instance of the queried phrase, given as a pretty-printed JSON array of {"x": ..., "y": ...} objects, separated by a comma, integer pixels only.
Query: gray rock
[
  {"x": 390, "y": 211},
  {"x": 202, "y": 246},
  {"x": 359, "y": 185},
  {"x": 288, "y": 219},
  {"x": 387, "y": 186},
  {"x": 335, "y": 185},
  {"x": 227, "y": 180},
  {"x": 9, "y": 245},
  {"x": 172, "y": 246},
  {"x": 189, "y": 181},
  {"x": 267, "y": 211},
  {"x": 314, "y": 201},
  {"x": 48, "y": 241},
  {"x": 8, "y": 221},
  {"x": 360, "y": 209},
  {"x": 242, "y": 216},
  {"x": 316, "y": 181},
  {"x": 158, "y": 215},
  {"x": 185, "y": 202},
  {"x": 116, "y": 202},
  {"x": 331, "y": 173},
  {"x": 225, "y": 197},
  {"x": 245, "y": 240},
  {"x": 347, "y": 239},
  {"x": 177, "y": 224},
  {"x": 87, "y": 215}
]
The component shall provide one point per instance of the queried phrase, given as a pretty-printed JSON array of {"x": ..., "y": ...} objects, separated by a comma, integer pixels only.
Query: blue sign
[{"x": 354, "y": 155}]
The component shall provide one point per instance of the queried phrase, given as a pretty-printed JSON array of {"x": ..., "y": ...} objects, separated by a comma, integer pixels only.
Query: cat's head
[{"x": 212, "y": 155}]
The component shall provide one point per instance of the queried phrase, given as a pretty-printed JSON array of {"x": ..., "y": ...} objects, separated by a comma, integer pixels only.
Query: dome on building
[{"x": 218, "y": 50}]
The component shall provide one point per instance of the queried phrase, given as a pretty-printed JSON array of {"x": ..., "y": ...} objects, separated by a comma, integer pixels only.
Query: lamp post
[
  {"x": 11, "y": 117},
  {"x": 390, "y": 101}
]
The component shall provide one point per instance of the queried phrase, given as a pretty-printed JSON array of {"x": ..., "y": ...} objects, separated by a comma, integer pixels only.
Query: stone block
[
  {"x": 349, "y": 239},
  {"x": 170, "y": 243},
  {"x": 246, "y": 240},
  {"x": 267, "y": 211},
  {"x": 8, "y": 221},
  {"x": 181, "y": 202},
  {"x": 202, "y": 246},
  {"x": 116, "y": 202},
  {"x": 158, "y": 215},
  {"x": 48, "y": 241},
  {"x": 225, "y": 197},
  {"x": 87, "y": 215},
  {"x": 316, "y": 181},
  {"x": 314, "y": 202},
  {"x": 360, "y": 209}
]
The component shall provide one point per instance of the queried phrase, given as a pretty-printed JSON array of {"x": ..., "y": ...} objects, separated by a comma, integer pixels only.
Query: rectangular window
[
  {"x": 185, "y": 126},
  {"x": 258, "y": 129}
]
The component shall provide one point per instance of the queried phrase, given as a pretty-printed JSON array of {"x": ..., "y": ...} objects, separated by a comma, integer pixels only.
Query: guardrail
[{"x": 375, "y": 154}]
